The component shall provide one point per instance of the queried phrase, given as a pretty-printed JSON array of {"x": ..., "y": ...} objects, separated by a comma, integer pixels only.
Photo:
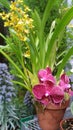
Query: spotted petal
[
  {"x": 45, "y": 75},
  {"x": 64, "y": 82},
  {"x": 45, "y": 100},
  {"x": 57, "y": 95},
  {"x": 65, "y": 78},
  {"x": 39, "y": 91}
]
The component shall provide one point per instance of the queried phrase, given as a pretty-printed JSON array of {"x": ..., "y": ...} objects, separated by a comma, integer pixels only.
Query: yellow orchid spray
[{"x": 18, "y": 19}]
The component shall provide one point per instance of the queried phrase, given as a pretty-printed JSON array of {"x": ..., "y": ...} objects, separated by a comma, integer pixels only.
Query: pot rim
[
  {"x": 63, "y": 120},
  {"x": 64, "y": 105}
]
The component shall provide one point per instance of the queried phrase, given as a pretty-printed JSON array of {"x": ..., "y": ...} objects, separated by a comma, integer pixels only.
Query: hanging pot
[
  {"x": 66, "y": 124},
  {"x": 50, "y": 117}
]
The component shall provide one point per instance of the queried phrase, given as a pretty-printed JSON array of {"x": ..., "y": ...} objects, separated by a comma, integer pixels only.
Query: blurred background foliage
[{"x": 40, "y": 6}]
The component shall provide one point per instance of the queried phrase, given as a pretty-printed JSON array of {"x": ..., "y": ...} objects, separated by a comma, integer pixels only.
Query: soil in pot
[{"x": 67, "y": 124}]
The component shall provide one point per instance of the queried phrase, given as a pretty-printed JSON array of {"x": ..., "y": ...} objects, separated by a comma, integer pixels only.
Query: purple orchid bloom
[
  {"x": 42, "y": 93},
  {"x": 64, "y": 82},
  {"x": 57, "y": 95},
  {"x": 39, "y": 91},
  {"x": 70, "y": 92},
  {"x": 45, "y": 100},
  {"x": 47, "y": 92},
  {"x": 45, "y": 76}
]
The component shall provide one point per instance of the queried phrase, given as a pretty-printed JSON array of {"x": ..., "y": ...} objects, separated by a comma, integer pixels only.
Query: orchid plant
[
  {"x": 41, "y": 50},
  {"x": 49, "y": 90}
]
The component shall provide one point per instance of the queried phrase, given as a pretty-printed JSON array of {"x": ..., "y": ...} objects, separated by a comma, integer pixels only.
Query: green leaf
[
  {"x": 51, "y": 60},
  {"x": 34, "y": 54},
  {"x": 50, "y": 34},
  {"x": 41, "y": 36},
  {"x": 71, "y": 107},
  {"x": 3, "y": 36},
  {"x": 47, "y": 12},
  {"x": 13, "y": 47},
  {"x": 40, "y": 25},
  {"x": 58, "y": 30},
  {"x": 22, "y": 85},
  {"x": 12, "y": 62},
  {"x": 63, "y": 63},
  {"x": 37, "y": 20},
  {"x": 12, "y": 124},
  {"x": 5, "y": 3},
  {"x": 4, "y": 47}
]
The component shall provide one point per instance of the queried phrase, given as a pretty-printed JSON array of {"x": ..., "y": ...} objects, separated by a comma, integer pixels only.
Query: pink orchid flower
[
  {"x": 39, "y": 91},
  {"x": 42, "y": 93},
  {"x": 64, "y": 82},
  {"x": 57, "y": 95},
  {"x": 45, "y": 100},
  {"x": 70, "y": 92},
  {"x": 45, "y": 76},
  {"x": 47, "y": 92}
]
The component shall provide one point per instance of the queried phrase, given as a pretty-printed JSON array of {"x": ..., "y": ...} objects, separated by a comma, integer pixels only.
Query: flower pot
[
  {"x": 66, "y": 124},
  {"x": 50, "y": 117}
]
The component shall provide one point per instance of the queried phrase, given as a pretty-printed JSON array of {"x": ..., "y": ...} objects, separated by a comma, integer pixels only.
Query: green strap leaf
[
  {"x": 17, "y": 68},
  {"x": 37, "y": 20},
  {"x": 40, "y": 25},
  {"x": 60, "y": 27},
  {"x": 41, "y": 36},
  {"x": 63, "y": 63},
  {"x": 5, "y": 3},
  {"x": 22, "y": 84},
  {"x": 35, "y": 59},
  {"x": 47, "y": 12}
]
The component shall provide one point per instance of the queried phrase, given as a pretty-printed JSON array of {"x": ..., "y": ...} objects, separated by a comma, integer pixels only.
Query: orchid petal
[
  {"x": 71, "y": 92},
  {"x": 64, "y": 82},
  {"x": 64, "y": 86},
  {"x": 38, "y": 91},
  {"x": 45, "y": 75},
  {"x": 51, "y": 79},
  {"x": 48, "y": 87},
  {"x": 45, "y": 100},
  {"x": 65, "y": 78},
  {"x": 57, "y": 95},
  {"x": 48, "y": 70}
]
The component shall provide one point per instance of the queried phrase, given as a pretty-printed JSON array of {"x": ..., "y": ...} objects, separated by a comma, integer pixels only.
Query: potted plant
[
  {"x": 53, "y": 99},
  {"x": 67, "y": 122},
  {"x": 29, "y": 51}
]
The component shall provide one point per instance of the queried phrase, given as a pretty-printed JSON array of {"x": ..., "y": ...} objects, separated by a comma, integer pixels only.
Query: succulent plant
[
  {"x": 8, "y": 116},
  {"x": 6, "y": 86},
  {"x": 29, "y": 103}
]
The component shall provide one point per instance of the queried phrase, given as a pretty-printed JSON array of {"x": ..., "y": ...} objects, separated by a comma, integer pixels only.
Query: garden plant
[
  {"x": 8, "y": 117},
  {"x": 33, "y": 55},
  {"x": 34, "y": 52}
]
